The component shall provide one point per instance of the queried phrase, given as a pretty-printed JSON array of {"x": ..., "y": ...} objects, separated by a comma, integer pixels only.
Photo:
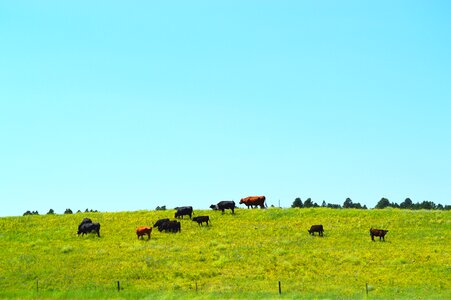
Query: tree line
[
  {"x": 68, "y": 211},
  {"x": 383, "y": 203},
  {"x": 298, "y": 203}
]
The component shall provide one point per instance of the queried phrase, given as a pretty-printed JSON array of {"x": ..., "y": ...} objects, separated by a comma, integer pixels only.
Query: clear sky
[{"x": 129, "y": 105}]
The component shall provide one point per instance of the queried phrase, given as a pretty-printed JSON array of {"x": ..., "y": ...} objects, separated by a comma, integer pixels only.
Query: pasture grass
[{"x": 239, "y": 256}]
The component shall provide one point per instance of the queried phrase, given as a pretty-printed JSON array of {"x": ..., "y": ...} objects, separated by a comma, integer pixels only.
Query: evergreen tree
[
  {"x": 383, "y": 203},
  {"x": 308, "y": 203},
  {"x": 297, "y": 203},
  {"x": 348, "y": 203}
]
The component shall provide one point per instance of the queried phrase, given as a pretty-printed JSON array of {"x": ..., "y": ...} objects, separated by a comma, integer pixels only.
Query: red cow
[
  {"x": 143, "y": 230},
  {"x": 254, "y": 201}
]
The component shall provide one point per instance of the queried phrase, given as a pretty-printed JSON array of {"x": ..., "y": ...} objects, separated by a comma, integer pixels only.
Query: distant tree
[
  {"x": 427, "y": 205},
  {"x": 357, "y": 205},
  {"x": 51, "y": 212},
  {"x": 447, "y": 207},
  {"x": 87, "y": 210},
  {"x": 336, "y": 206},
  {"x": 161, "y": 207},
  {"x": 68, "y": 211},
  {"x": 27, "y": 213},
  {"x": 324, "y": 204},
  {"x": 297, "y": 203},
  {"x": 348, "y": 203},
  {"x": 309, "y": 203},
  {"x": 78, "y": 211},
  {"x": 383, "y": 203}
]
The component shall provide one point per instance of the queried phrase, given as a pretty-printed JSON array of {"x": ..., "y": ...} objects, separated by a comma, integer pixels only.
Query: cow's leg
[{"x": 372, "y": 237}]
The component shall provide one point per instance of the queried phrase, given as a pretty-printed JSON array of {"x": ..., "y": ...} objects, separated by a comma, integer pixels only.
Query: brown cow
[
  {"x": 378, "y": 232},
  {"x": 254, "y": 201},
  {"x": 143, "y": 230}
]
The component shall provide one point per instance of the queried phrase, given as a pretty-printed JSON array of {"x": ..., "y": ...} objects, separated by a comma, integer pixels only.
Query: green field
[{"x": 241, "y": 256}]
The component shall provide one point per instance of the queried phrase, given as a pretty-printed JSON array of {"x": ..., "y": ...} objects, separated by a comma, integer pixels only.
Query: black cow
[
  {"x": 172, "y": 226},
  {"x": 159, "y": 222},
  {"x": 85, "y": 221},
  {"x": 224, "y": 205},
  {"x": 182, "y": 211},
  {"x": 201, "y": 219},
  {"x": 378, "y": 232},
  {"x": 316, "y": 228},
  {"x": 89, "y": 227}
]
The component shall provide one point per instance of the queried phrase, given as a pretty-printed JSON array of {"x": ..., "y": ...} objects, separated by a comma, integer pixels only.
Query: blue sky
[{"x": 120, "y": 106}]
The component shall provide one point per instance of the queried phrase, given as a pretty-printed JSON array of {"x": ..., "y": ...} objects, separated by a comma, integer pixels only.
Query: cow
[
  {"x": 159, "y": 222},
  {"x": 85, "y": 221},
  {"x": 142, "y": 231},
  {"x": 316, "y": 228},
  {"x": 182, "y": 211},
  {"x": 224, "y": 205},
  {"x": 254, "y": 201},
  {"x": 378, "y": 232},
  {"x": 172, "y": 226},
  {"x": 201, "y": 219},
  {"x": 89, "y": 227}
]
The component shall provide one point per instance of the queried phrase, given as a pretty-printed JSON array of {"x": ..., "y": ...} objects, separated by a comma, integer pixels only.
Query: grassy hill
[{"x": 239, "y": 256}]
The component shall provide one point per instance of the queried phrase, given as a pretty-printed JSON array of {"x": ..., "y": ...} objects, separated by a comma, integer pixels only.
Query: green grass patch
[{"x": 239, "y": 256}]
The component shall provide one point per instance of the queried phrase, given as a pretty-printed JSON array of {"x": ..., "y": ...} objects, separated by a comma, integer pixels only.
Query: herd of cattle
[{"x": 167, "y": 225}]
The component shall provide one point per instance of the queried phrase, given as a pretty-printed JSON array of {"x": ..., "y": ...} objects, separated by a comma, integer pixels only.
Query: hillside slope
[{"x": 243, "y": 254}]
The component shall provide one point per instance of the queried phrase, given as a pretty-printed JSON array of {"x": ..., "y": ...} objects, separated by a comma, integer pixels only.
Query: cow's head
[{"x": 242, "y": 201}]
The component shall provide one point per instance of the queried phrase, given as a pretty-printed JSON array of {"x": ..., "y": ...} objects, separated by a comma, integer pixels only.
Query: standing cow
[
  {"x": 182, "y": 211},
  {"x": 201, "y": 219},
  {"x": 254, "y": 201},
  {"x": 86, "y": 228},
  {"x": 316, "y": 228},
  {"x": 171, "y": 226},
  {"x": 159, "y": 222},
  {"x": 222, "y": 205},
  {"x": 142, "y": 231},
  {"x": 378, "y": 232}
]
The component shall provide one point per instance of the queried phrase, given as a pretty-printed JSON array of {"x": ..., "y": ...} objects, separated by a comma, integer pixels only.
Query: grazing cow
[
  {"x": 89, "y": 227},
  {"x": 224, "y": 205},
  {"x": 378, "y": 232},
  {"x": 254, "y": 201},
  {"x": 172, "y": 226},
  {"x": 316, "y": 228},
  {"x": 85, "y": 221},
  {"x": 201, "y": 219},
  {"x": 159, "y": 222},
  {"x": 184, "y": 210},
  {"x": 142, "y": 231}
]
